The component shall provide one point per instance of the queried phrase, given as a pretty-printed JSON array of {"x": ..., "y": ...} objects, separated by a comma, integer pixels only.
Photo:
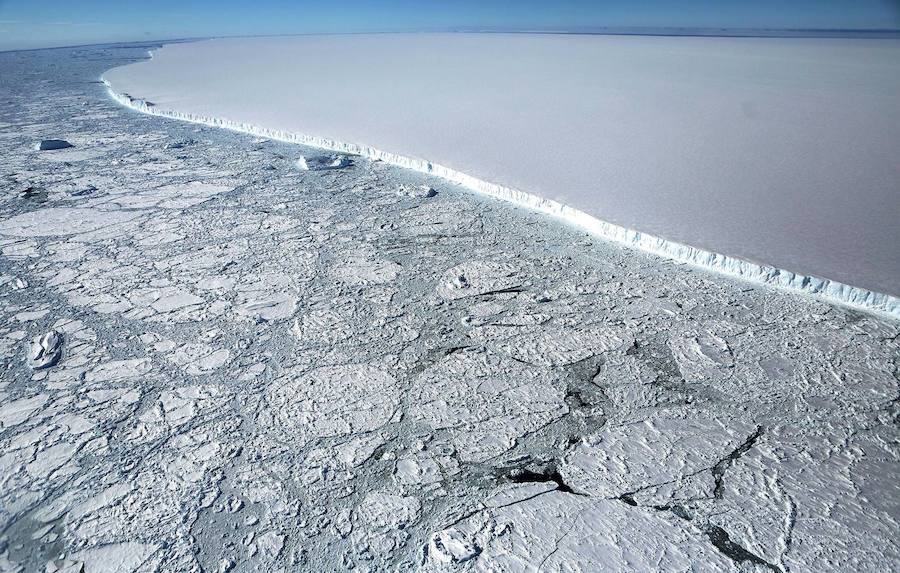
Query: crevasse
[{"x": 825, "y": 289}]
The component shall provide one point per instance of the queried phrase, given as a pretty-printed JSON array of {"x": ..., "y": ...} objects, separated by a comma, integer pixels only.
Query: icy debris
[
  {"x": 15, "y": 412},
  {"x": 416, "y": 191},
  {"x": 119, "y": 370},
  {"x": 266, "y": 297},
  {"x": 174, "y": 196},
  {"x": 274, "y": 307},
  {"x": 52, "y": 144},
  {"x": 382, "y": 510},
  {"x": 412, "y": 471},
  {"x": 381, "y": 523},
  {"x": 50, "y": 459},
  {"x": 323, "y": 162},
  {"x": 33, "y": 194},
  {"x": 17, "y": 283},
  {"x": 478, "y": 278},
  {"x": 270, "y": 544},
  {"x": 449, "y": 546},
  {"x": 46, "y": 350},
  {"x": 762, "y": 524},
  {"x": 31, "y": 315},
  {"x": 179, "y": 143},
  {"x": 177, "y": 407},
  {"x": 82, "y": 191},
  {"x": 510, "y": 493},
  {"x": 169, "y": 299},
  {"x": 64, "y": 566},
  {"x": 108, "y": 497}
]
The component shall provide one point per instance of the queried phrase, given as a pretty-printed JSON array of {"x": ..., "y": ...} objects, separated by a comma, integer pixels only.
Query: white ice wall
[{"x": 773, "y": 153}]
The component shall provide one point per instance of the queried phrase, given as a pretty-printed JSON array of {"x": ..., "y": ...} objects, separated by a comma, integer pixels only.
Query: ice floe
[
  {"x": 323, "y": 162},
  {"x": 51, "y": 144},
  {"x": 46, "y": 350}
]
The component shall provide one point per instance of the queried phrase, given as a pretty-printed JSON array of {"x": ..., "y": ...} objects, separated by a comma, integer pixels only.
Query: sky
[{"x": 44, "y": 23}]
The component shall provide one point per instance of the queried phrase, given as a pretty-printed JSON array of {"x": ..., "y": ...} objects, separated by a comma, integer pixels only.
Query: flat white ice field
[{"x": 776, "y": 151}]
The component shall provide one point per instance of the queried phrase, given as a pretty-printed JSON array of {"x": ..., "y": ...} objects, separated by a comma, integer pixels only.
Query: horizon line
[{"x": 664, "y": 31}]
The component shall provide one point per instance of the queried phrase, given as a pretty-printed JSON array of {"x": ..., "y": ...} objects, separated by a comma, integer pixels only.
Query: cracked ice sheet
[
  {"x": 619, "y": 460},
  {"x": 554, "y": 531},
  {"x": 332, "y": 401},
  {"x": 485, "y": 401},
  {"x": 63, "y": 221}
]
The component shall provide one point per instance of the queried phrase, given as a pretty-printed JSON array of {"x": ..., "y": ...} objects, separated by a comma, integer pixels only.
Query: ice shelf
[{"x": 790, "y": 242}]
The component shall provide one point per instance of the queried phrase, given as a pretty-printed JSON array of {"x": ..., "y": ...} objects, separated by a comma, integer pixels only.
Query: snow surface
[
  {"x": 771, "y": 151},
  {"x": 252, "y": 367}
]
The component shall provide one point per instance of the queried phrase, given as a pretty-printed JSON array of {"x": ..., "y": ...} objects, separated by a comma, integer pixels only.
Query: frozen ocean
[{"x": 222, "y": 352}]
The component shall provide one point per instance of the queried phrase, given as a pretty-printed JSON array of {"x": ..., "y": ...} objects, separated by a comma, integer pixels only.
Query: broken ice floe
[
  {"x": 416, "y": 191},
  {"x": 323, "y": 162},
  {"x": 82, "y": 191},
  {"x": 52, "y": 144},
  {"x": 311, "y": 406},
  {"x": 62, "y": 221},
  {"x": 476, "y": 278},
  {"x": 485, "y": 401},
  {"x": 553, "y": 531},
  {"x": 449, "y": 546},
  {"x": 673, "y": 449},
  {"x": 544, "y": 345},
  {"x": 172, "y": 196},
  {"x": 46, "y": 350},
  {"x": 198, "y": 358},
  {"x": 360, "y": 269},
  {"x": 179, "y": 143}
]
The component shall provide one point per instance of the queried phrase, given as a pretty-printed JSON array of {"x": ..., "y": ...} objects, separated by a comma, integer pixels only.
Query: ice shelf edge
[{"x": 826, "y": 289}]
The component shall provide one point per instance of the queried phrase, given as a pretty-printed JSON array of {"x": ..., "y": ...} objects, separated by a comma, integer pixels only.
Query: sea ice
[
  {"x": 52, "y": 144},
  {"x": 62, "y": 221},
  {"x": 322, "y": 162},
  {"x": 46, "y": 350},
  {"x": 262, "y": 370}
]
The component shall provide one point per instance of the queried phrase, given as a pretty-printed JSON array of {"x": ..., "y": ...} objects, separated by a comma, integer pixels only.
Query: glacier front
[{"x": 769, "y": 158}]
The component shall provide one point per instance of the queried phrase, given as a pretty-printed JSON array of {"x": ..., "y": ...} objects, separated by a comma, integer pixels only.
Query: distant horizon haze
[{"x": 25, "y": 24}]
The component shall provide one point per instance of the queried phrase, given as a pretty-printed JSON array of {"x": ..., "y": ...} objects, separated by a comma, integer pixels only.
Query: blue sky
[{"x": 38, "y": 23}]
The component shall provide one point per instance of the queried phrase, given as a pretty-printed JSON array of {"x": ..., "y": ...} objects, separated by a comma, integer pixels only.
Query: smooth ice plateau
[{"x": 768, "y": 159}]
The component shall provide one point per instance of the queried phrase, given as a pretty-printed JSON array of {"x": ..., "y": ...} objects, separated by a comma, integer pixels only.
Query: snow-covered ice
[
  {"x": 768, "y": 158},
  {"x": 216, "y": 361},
  {"x": 322, "y": 162},
  {"x": 46, "y": 350}
]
